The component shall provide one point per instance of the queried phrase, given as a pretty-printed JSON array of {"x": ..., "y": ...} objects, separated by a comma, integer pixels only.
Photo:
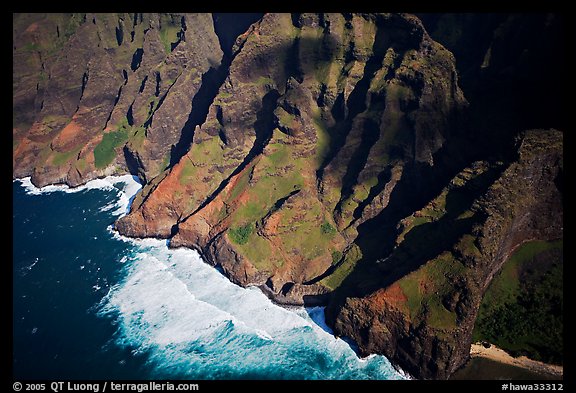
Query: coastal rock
[
  {"x": 326, "y": 158},
  {"x": 313, "y": 125},
  {"x": 424, "y": 319}
]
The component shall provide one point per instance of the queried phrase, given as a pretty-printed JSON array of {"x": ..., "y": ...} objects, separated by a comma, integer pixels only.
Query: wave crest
[
  {"x": 192, "y": 322},
  {"x": 125, "y": 194}
]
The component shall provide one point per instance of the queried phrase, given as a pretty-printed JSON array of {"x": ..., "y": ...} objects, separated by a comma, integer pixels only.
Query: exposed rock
[
  {"x": 424, "y": 319},
  {"x": 266, "y": 137},
  {"x": 87, "y": 85},
  {"x": 326, "y": 158}
]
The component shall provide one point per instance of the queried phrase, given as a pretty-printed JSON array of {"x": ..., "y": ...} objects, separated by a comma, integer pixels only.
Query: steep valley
[{"x": 345, "y": 160}]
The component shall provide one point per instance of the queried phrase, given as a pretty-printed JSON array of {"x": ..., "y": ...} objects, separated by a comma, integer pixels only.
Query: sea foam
[
  {"x": 131, "y": 186},
  {"x": 192, "y": 322}
]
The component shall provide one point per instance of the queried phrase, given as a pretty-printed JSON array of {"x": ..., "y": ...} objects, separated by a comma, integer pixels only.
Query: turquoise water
[{"x": 89, "y": 303}]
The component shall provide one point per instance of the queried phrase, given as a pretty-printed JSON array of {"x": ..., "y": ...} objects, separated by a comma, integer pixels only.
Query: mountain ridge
[{"x": 316, "y": 150}]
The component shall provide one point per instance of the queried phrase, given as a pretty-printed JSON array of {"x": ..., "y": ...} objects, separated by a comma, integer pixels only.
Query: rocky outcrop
[
  {"x": 101, "y": 90},
  {"x": 304, "y": 142},
  {"x": 326, "y": 158},
  {"x": 424, "y": 319}
]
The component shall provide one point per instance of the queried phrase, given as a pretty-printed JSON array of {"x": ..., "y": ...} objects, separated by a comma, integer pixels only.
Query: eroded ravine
[{"x": 314, "y": 155}]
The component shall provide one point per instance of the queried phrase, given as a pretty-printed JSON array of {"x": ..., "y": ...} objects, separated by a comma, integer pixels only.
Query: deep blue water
[{"x": 90, "y": 304}]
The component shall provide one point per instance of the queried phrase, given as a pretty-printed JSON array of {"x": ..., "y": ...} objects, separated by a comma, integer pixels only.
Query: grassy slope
[
  {"x": 276, "y": 175},
  {"x": 522, "y": 309}
]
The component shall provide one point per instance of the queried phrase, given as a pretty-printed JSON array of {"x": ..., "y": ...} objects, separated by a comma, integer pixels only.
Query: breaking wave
[
  {"x": 186, "y": 320},
  {"x": 192, "y": 322},
  {"x": 127, "y": 185}
]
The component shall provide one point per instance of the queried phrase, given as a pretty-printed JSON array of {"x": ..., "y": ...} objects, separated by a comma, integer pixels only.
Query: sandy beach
[{"x": 499, "y": 355}]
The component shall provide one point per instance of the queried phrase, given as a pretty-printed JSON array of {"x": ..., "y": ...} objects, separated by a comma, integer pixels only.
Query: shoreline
[
  {"x": 189, "y": 302},
  {"x": 499, "y": 355},
  {"x": 133, "y": 187},
  {"x": 477, "y": 350}
]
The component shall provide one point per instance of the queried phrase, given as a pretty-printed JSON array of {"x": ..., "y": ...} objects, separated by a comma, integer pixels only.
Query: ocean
[{"x": 91, "y": 304}]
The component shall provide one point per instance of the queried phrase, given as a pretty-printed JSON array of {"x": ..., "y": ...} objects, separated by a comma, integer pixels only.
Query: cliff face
[
  {"x": 446, "y": 255},
  {"x": 98, "y": 94},
  {"x": 505, "y": 74},
  {"x": 329, "y": 158},
  {"x": 307, "y": 139}
]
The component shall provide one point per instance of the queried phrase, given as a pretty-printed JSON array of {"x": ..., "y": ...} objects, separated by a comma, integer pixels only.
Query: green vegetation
[
  {"x": 31, "y": 47},
  {"x": 428, "y": 286},
  {"x": 334, "y": 280},
  {"x": 144, "y": 111},
  {"x": 301, "y": 235},
  {"x": 105, "y": 152},
  {"x": 410, "y": 287},
  {"x": 360, "y": 192},
  {"x": 241, "y": 184},
  {"x": 137, "y": 136},
  {"x": 336, "y": 256},
  {"x": 445, "y": 223},
  {"x": 60, "y": 158},
  {"x": 322, "y": 70},
  {"x": 322, "y": 138},
  {"x": 240, "y": 235},
  {"x": 450, "y": 210},
  {"x": 81, "y": 164},
  {"x": 188, "y": 173},
  {"x": 68, "y": 23},
  {"x": 207, "y": 153},
  {"x": 275, "y": 176},
  {"x": 264, "y": 81},
  {"x": 42, "y": 157},
  {"x": 285, "y": 119},
  {"x": 522, "y": 310},
  {"x": 224, "y": 94},
  {"x": 258, "y": 251},
  {"x": 168, "y": 32},
  {"x": 466, "y": 246},
  {"x": 252, "y": 211},
  {"x": 280, "y": 156},
  {"x": 71, "y": 25},
  {"x": 327, "y": 228},
  {"x": 165, "y": 161},
  {"x": 506, "y": 285}
]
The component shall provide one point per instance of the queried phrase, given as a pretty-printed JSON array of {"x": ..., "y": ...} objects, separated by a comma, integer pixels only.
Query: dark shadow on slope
[
  {"x": 264, "y": 125},
  {"x": 370, "y": 135},
  {"x": 292, "y": 63},
  {"x": 136, "y": 59},
  {"x": 383, "y": 179},
  {"x": 134, "y": 164},
  {"x": 228, "y": 26},
  {"x": 154, "y": 109},
  {"x": 211, "y": 82},
  {"x": 514, "y": 74},
  {"x": 382, "y": 264},
  {"x": 357, "y": 103},
  {"x": 265, "y": 122}
]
